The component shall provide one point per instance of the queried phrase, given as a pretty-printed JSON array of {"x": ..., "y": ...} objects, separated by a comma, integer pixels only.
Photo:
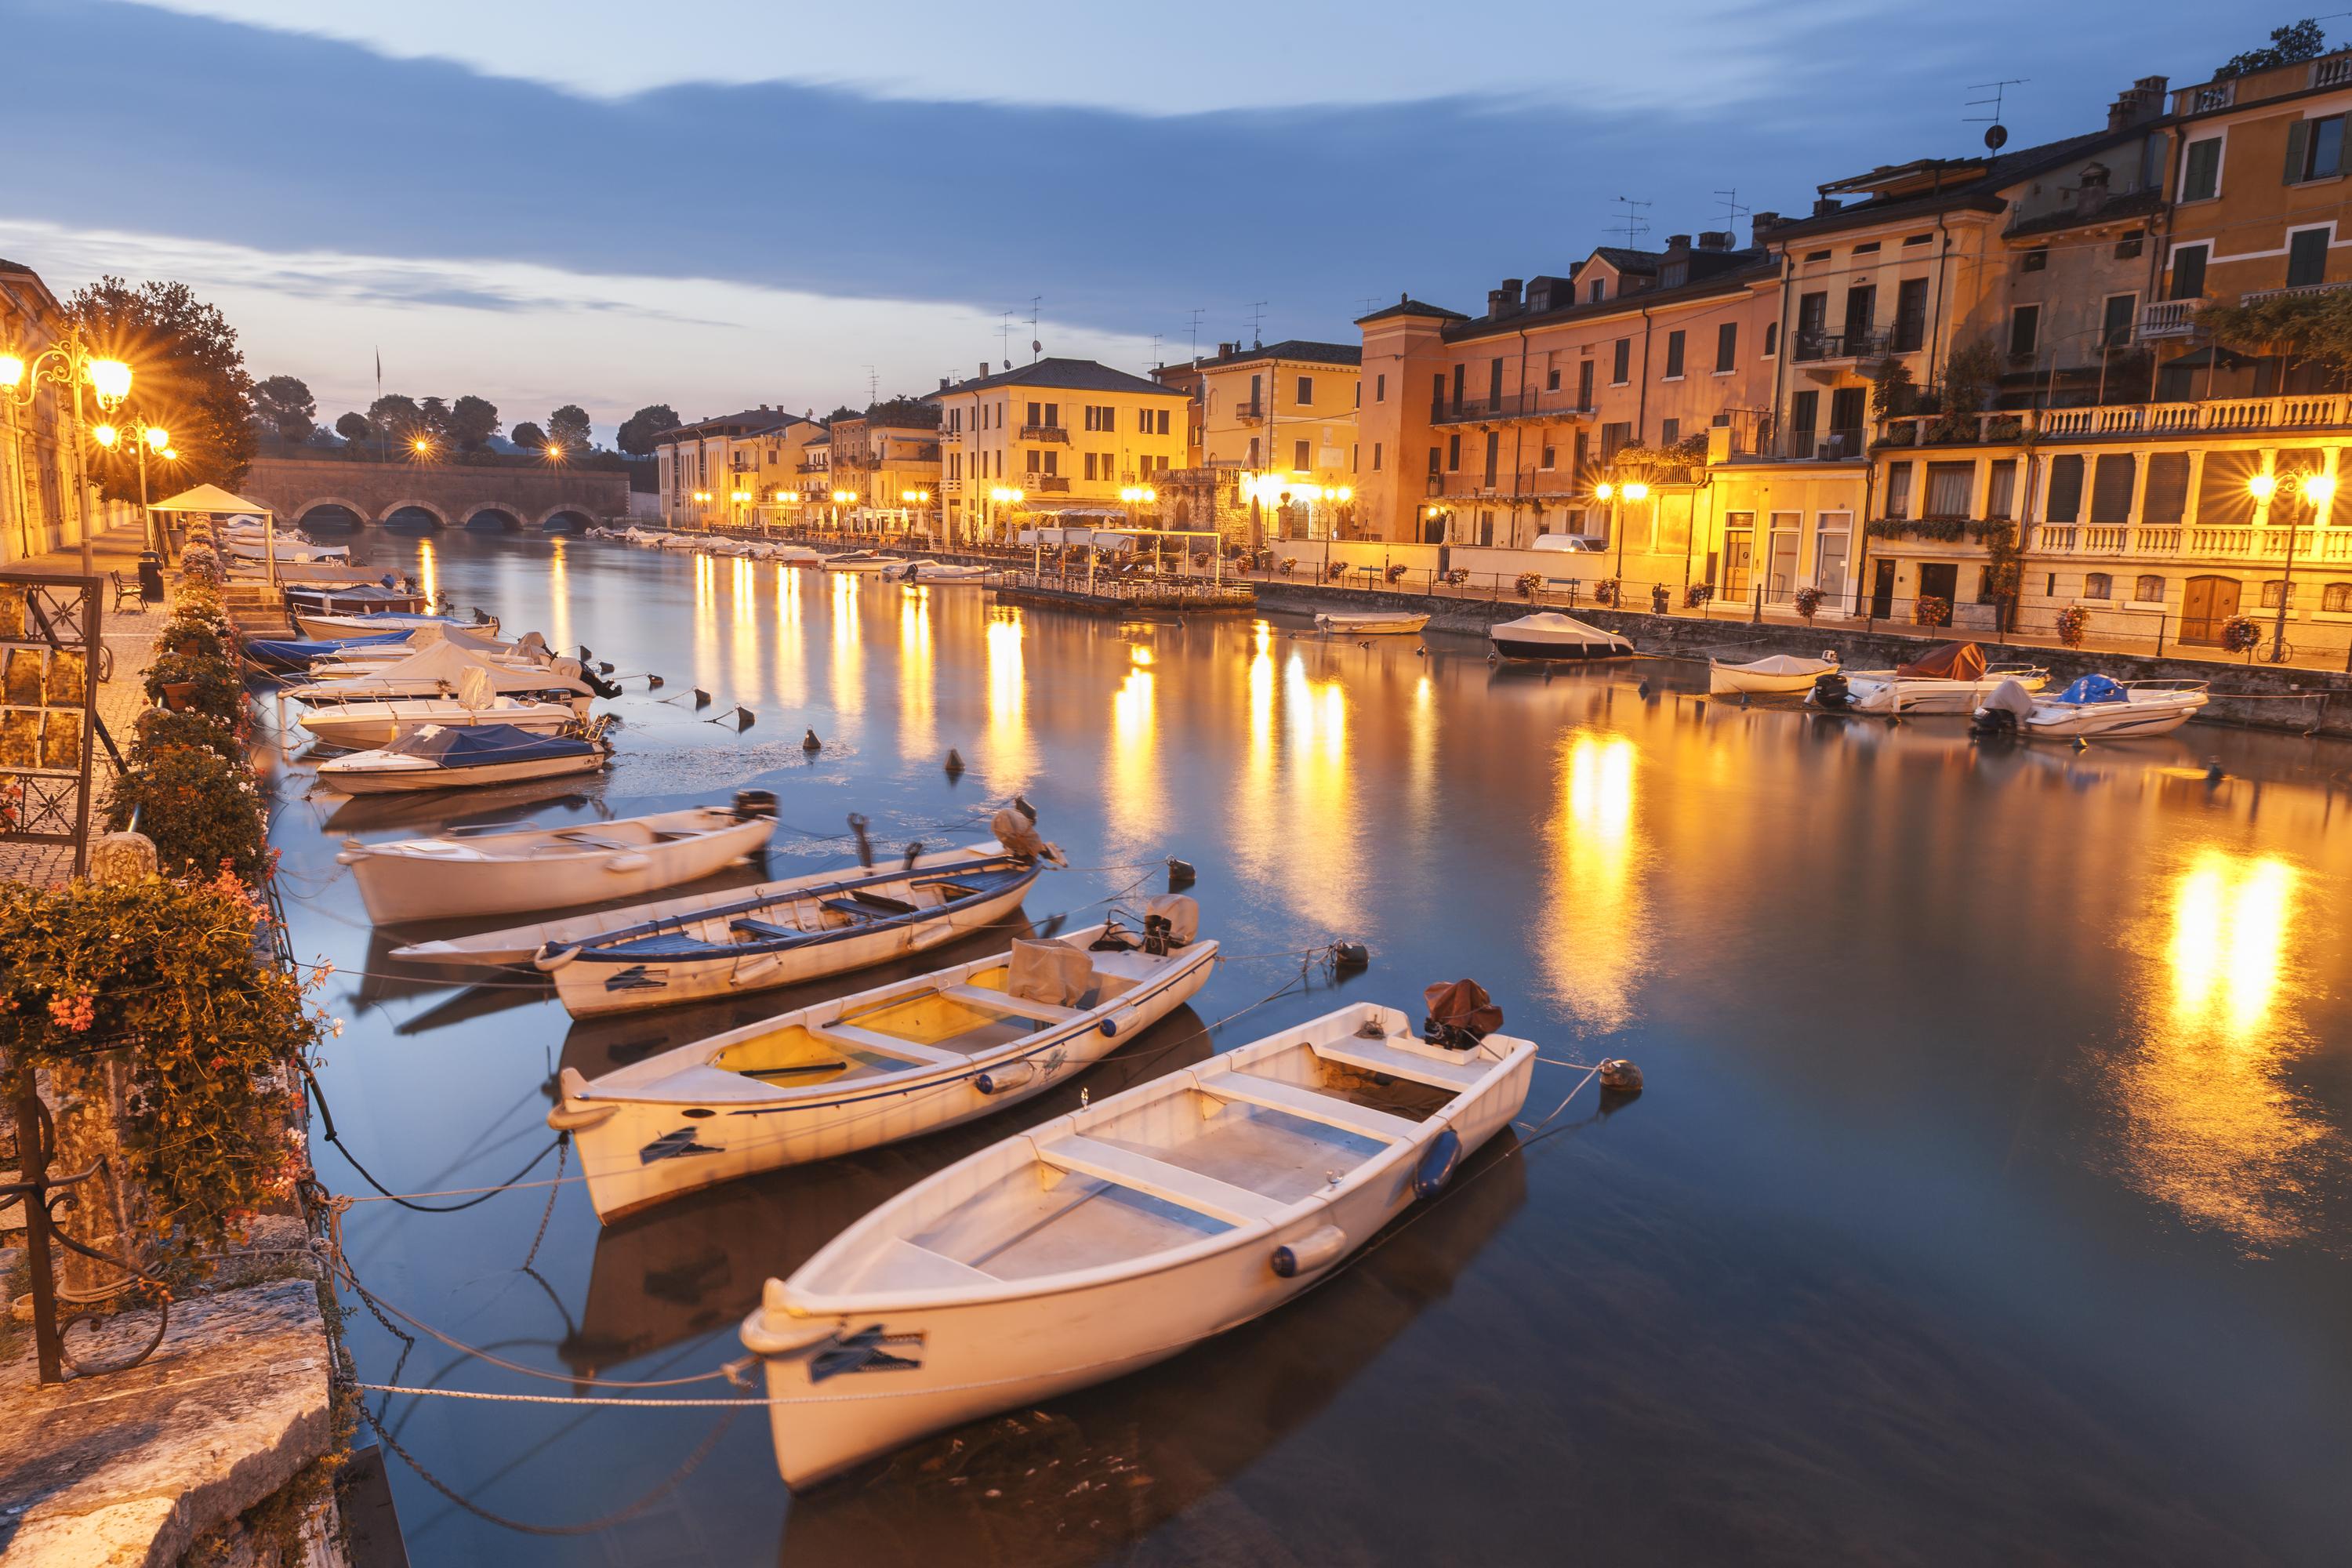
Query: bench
[
  {"x": 123, "y": 590},
  {"x": 1370, "y": 1056},
  {"x": 1084, "y": 1156},
  {"x": 1020, "y": 1007},
  {"x": 885, "y": 1044},
  {"x": 1292, "y": 1099}
]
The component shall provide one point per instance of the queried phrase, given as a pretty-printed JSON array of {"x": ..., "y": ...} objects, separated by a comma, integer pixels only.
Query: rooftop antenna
[
  {"x": 1996, "y": 134},
  {"x": 1193, "y": 332},
  {"x": 1634, "y": 222},
  {"x": 873, "y": 387},
  {"x": 1732, "y": 209},
  {"x": 1156, "y": 357},
  {"x": 1364, "y": 306},
  {"x": 1257, "y": 323},
  {"x": 1035, "y": 347},
  {"x": 1005, "y": 339}
]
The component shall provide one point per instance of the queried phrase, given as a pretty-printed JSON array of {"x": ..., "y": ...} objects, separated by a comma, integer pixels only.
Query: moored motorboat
[
  {"x": 893, "y": 1062},
  {"x": 378, "y": 598},
  {"x": 924, "y": 570},
  {"x": 289, "y": 656},
  {"x": 445, "y": 670},
  {"x": 1548, "y": 635},
  {"x": 1781, "y": 673},
  {"x": 1116, "y": 1237},
  {"x": 2096, "y": 708},
  {"x": 380, "y": 723},
  {"x": 857, "y": 561},
  {"x": 1370, "y": 622},
  {"x": 465, "y": 757},
  {"x": 339, "y": 623},
  {"x": 1951, "y": 678},
  {"x": 535, "y": 868}
]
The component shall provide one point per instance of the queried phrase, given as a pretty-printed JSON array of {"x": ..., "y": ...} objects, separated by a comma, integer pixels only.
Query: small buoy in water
[
  {"x": 603, "y": 666},
  {"x": 1743, "y": 699},
  {"x": 1644, "y": 688},
  {"x": 809, "y": 742},
  {"x": 1179, "y": 873},
  {"x": 2213, "y": 774},
  {"x": 1350, "y": 956},
  {"x": 1421, "y": 650},
  {"x": 743, "y": 718},
  {"x": 1365, "y": 643},
  {"x": 701, "y": 698},
  {"x": 1621, "y": 1075},
  {"x": 955, "y": 762},
  {"x": 653, "y": 683}
]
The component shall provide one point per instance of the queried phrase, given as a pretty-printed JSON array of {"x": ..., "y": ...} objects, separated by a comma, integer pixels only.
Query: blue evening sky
[{"x": 715, "y": 203}]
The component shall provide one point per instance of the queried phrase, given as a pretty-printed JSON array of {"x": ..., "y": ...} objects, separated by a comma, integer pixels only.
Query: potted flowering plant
[
  {"x": 1697, "y": 595},
  {"x": 1457, "y": 575},
  {"x": 1530, "y": 584},
  {"x": 1286, "y": 565},
  {"x": 2241, "y": 634},
  {"x": 1604, "y": 593},
  {"x": 1396, "y": 571},
  {"x": 1931, "y": 610},
  {"x": 2071, "y": 622}
]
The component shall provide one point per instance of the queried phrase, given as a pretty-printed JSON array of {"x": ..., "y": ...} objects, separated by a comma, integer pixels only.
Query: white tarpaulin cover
[{"x": 436, "y": 671}]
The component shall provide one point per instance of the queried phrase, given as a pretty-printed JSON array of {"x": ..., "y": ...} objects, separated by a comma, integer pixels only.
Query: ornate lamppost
[{"x": 70, "y": 365}]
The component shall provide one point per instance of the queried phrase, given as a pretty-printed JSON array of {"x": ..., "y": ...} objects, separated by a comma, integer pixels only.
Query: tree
[
  {"x": 435, "y": 413},
  {"x": 355, "y": 428},
  {"x": 2316, "y": 327},
  {"x": 2290, "y": 44},
  {"x": 639, "y": 430},
  {"x": 188, "y": 376},
  {"x": 902, "y": 412},
  {"x": 472, "y": 422},
  {"x": 528, "y": 437},
  {"x": 286, "y": 405},
  {"x": 567, "y": 427},
  {"x": 844, "y": 412},
  {"x": 398, "y": 419}
]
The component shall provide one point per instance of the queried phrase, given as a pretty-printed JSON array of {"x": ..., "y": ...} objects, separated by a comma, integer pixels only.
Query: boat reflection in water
[
  {"x": 2212, "y": 1126},
  {"x": 1101, "y": 1469},
  {"x": 696, "y": 1264}
]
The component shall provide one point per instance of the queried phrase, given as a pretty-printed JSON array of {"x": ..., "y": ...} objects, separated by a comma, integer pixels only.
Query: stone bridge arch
[
  {"x": 440, "y": 518},
  {"x": 504, "y": 515},
  {"x": 567, "y": 518},
  {"x": 359, "y": 516}
]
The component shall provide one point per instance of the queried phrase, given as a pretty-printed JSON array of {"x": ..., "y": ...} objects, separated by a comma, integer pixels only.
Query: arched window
[
  {"x": 1772, "y": 339},
  {"x": 2098, "y": 586},
  {"x": 2274, "y": 594},
  {"x": 2336, "y": 596},
  {"x": 2149, "y": 590}
]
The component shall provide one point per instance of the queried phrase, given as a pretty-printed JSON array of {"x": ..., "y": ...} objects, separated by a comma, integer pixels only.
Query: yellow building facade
[{"x": 1062, "y": 437}]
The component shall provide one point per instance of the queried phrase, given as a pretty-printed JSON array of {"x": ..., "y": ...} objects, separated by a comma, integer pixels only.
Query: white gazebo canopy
[{"x": 209, "y": 499}]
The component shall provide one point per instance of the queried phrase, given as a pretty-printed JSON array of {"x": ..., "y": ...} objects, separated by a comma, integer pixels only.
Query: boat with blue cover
[
  {"x": 2096, "y": 707},
  {"x": 442, "y": 756},
  {"x": 292, "y": 655}
]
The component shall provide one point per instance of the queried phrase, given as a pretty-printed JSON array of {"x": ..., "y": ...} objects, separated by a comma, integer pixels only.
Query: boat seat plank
[
  {"x": 882, "y": 901},
  {"x": 1296, "y": 1100},
  {"x": 850, "y": 907},
  {"x": 766, "y": 929},
  {"x": 903, "y": 1265},
  {"x": 981, "y": 996},
  {"x": 1085, "y": 1156},
  {"x": 1370, "y": 1056},
  {"x": 888, "y": 1045}
]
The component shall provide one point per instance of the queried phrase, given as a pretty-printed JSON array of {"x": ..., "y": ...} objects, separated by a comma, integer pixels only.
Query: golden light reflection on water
[
  {"x": 792, "y": 649},
  {"x": 848, "y": 661},
  {"x": 705, "y": 623},
  {"x": 1011, "y": 757},
  {"x": 1253, "y": 813},
  {"x": 559, "y": 599},
  {"x": 1134, "y": 790},
  {"x": 918, "y": 735},
  {"x": 1315, "y": 830},
  {"x": 1591, "y": 945},
  {"x": 428, "y": 577},
  {"x": 2212, "y": 1126},
  {"x": 743, "y": 653}
]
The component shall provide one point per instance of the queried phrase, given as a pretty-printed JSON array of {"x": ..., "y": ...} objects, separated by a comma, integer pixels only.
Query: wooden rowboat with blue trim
[{"x": 893, "y": 1062}]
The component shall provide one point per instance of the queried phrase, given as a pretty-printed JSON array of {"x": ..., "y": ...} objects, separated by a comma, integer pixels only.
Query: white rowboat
[
  {"x": 1106, "y": 1240},
  {"x": 553, "y": 868},
  {"x": 857, "y": 561},
  {"x": 1782, "y": 673},
  {"x": 347, "y": 626},
  {"x": 442, "y": 756},
  {"x": 381, "y": 723},
  {"x": 893, "y": 1062},
  {"x": 1370, "y": 622}
]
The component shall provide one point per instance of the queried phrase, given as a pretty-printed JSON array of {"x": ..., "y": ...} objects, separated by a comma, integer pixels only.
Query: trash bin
[{"x": 151, "y": 577}]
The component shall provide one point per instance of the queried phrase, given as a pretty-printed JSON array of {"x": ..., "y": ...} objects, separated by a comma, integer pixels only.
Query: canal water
[{"x": 1988, "y": 1200}]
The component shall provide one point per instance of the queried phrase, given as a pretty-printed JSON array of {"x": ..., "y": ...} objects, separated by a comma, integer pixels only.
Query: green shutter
[{"x": 2298, "y": 142}]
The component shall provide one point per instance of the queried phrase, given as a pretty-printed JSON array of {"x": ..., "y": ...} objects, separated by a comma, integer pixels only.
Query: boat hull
[
  {"x": 592, "y": 985},
  {"x": 398, "y": 888},
  {"x": 328, "y": 627},
  {"x": 2069, "y": 721},
  {"x": 1398, "y": 625},
  {"x": 1725, "y": 681},
  {"x": 1870, "y": 694},
  {"x": 744, "y": 1139},
  {"x": 382, "y": 723},
  {"x": 973, "y": 1359},
  {"x": 410, "y": 781},
  {"x": 1559, "y": 652}
]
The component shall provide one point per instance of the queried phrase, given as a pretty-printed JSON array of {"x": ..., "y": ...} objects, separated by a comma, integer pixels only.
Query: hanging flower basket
[
  {"x": 1931, "y": 610},
  {"x": 1530, "y": 584},
  {"x": 2073, "y": 621},
  {"x": 1697, "y": 593},
  {"x": 2241, "y": 634},
  {"x": 1808, "y": 603}
]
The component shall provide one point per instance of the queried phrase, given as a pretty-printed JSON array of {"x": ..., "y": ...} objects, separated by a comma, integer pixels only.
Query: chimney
[
  {"x": 1824, "y": 205},
  {"x": 943, "y": 383},
  {"x": 1762, "y": 224},
  {"x": 1677, "y": 242},
  {"x": 983, "y": 370},
  {"x": 1714, "y": 240},
  {"x": 2140, "y": 103},
  {"x": 1226, "y": 351}
]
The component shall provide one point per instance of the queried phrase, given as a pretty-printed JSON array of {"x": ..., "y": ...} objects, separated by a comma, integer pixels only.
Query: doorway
[
  {"x": 1939, "y": 580},
  {"x": 2208, "y": 605},
  {"x": 1881, "y": 589}
]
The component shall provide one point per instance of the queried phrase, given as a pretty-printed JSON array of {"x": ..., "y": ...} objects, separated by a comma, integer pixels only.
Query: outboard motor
[
  {"x": 1461, "y": 1014},
  {"x": 1830, "y": 691},
  {"x": 752, "y": 803},
  {"x": 2004, "y": 712}
]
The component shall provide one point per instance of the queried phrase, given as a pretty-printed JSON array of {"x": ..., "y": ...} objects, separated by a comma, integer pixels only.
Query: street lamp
[
  {"x": 70, "y": 365},
  {"x": 2317, "y": 489}
]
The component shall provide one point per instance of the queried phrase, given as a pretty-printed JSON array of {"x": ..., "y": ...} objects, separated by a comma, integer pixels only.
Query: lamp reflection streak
[
  {"x": 918, "y": 734},
  {"x": 1011, "y": 759},
  {"x": 1133, "y": 787},
  {"x": 1592, "y": 943},
  {"x": 792, "y": 651},
  {"x": 558, "y": 596},
  {"x": 848, "y": 662}
]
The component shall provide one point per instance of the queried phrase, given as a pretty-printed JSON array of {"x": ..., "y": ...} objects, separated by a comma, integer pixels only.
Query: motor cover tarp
[
  {"x": 2011, "y": 697},
  {"x": 1181, "y": 910},
  {"x": 2094, "y": 688},
  {"x": 1463, "y": 1005},
  {"x": 1953, "y": 661},
  {"x": 1053, "y": 973},
  {"x": 479, "y": 746}
]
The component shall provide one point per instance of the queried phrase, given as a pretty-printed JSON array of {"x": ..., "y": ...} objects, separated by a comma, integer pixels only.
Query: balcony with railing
[
  {"x": 1046, "y": 484},
  {"x": 2292, "y": 291},
  {"x": 1509, "y": 407},
  {"x": 1060, "y": 432},
  {"x": 1750, "y": 438},
  {"x": 1507, "y": 486},
  {"x": 2168, "y": 319},
  {"x": 2211, "y": 417},
  {"x": 1250, "y": 413},
  {"x": 1819, "y": 348},
  {"x": 2178, "y": 542}
]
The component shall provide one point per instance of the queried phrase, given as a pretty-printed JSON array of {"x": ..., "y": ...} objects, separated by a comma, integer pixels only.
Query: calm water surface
[{"x": 1989, "y": 1200}]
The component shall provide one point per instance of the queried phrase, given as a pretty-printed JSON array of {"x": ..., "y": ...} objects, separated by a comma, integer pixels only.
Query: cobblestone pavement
[{"x": 130, "y": 635}]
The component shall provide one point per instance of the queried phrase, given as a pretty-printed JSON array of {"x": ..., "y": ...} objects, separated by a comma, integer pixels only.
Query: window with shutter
[
  {"x": 1674, "y": 355},
  {"x": 2149, "y": 589},
  {"x": 1911, "y": 315},
  {"x": 2111, "y": 487},
  {"x": 2189, "y": 270},
  {"x": 2166, "y": 499},
  {"x": 1898, "y": 491},
  {"x": 1621, "y": 363},
  {"x": 2201, "y": 170},
  {"x": 1727, "y": 347},
  {"x": 2098, "y": 586},
  {"x": 2000, "y": 492},
  {"x": 2065, "y": 502},
  {"x": 2306, "y": 256}
]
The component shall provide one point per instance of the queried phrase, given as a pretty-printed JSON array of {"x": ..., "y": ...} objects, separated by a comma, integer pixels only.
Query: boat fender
[
  {"x": 1350, "y": 956},
  {"x": 774, "y": 1329},
  {"x": 1437, "y": 1162},
  {"x": 628, "y": 860},
  {"x": 1180, "y": 873},
  {"x": 755, "y": 969},
  {"x": 568, "y": 1114},
  {"x": 1013, "y": 1075},
  {"x": 1319, "y": 1247},
  {"x": 555, "y": 956},
  {"x": 1117, "y": 1024}
]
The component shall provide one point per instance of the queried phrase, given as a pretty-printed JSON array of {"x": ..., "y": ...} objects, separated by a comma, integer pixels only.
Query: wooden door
[
  {"x": 1881, "y": 589},
  {"x": 2208, "y": 603}
]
